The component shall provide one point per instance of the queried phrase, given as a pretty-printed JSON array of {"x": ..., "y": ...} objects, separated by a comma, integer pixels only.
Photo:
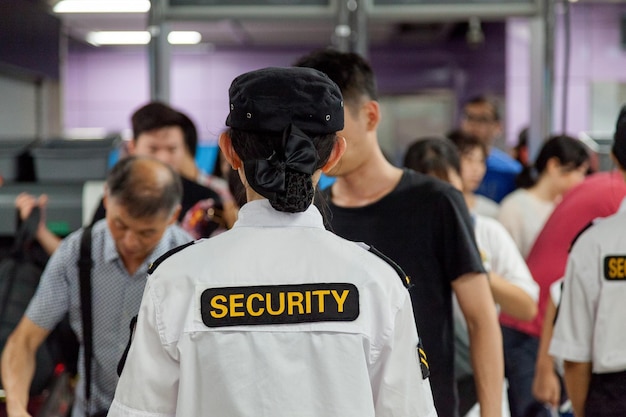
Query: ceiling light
[
  {"x": 141, "y": 38},
  {"x": 118, "y": 38},
  {"x": 184, "y": 37},
  {"x": 102, "y": 6}
]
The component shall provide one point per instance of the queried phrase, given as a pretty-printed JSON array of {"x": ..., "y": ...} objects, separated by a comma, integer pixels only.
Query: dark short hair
[
  {"x": 350, "y": 71},
  {"x": 570, "y": 152},
  {"x": 137, "y": 184},
  {"x": 190, "y": 134},
  {"x": 465, "y": 143},
  {"x": 157, "y": 115},
  {"x": 490, "y": 101},
  {"x": 433, "y": 156}
]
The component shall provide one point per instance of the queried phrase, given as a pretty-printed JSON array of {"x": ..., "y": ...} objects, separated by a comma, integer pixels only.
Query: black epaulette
[
  {"x": 583, "y": 230},
  {"x": 166, "y": 255},
  {"x": 406, "y": 280}
]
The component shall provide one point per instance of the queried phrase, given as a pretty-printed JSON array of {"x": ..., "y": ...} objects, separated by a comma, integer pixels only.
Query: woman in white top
[{"x": 561, "y": 164}]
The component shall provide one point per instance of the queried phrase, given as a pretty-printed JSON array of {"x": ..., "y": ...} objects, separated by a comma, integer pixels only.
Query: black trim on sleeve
[
  {"x": 406, "y": 280},
  {"x": 583, "y": 230},
  {"x": 425, "y": 368},
  {"x": 122, "y": 362},
  {"x": 160, "y": 259}
]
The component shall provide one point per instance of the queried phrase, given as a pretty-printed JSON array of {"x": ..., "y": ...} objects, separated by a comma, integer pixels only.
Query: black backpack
[{"x": 20, "y": 270}]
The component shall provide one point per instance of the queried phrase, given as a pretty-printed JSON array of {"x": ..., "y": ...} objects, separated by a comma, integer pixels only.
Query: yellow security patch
[
  {"x": 279, "y": 304},
  {"x": 615, "y": 267}
]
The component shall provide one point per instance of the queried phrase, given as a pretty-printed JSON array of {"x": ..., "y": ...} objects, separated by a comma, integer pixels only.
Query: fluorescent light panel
[
  {"x": 102, "y": 6},
  {"x": 184, "y": 37},
  {"x": 118, "y": 38},
  {"x": 141, "y": 38}
]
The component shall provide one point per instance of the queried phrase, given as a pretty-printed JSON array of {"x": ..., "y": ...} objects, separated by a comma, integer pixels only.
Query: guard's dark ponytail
[{"x": 298, "y": 191}]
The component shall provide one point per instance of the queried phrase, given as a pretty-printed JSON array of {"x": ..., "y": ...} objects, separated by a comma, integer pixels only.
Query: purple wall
[
  {"x": 596, "y": 55},
  {"x": 102, "y": 87}
]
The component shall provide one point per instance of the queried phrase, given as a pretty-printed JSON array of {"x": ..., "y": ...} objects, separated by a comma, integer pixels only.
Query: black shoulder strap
[
  {"x": 406, "y": 280},
  {"x": 85, "y": 264}
]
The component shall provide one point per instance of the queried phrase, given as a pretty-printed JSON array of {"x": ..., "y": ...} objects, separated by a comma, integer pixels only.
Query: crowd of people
[{"x": 427, "y": 289}]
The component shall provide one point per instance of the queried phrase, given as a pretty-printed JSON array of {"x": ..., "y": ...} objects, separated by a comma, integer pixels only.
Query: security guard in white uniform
[
  {"x": 276, "y": 317},
  {"x": 590, "y": 330}
]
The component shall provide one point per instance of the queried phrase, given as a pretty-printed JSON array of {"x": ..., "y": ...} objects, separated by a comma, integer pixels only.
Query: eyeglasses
[{"x": 478, "y": 119}]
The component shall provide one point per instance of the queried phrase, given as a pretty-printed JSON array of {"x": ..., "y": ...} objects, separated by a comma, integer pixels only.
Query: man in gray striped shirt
[{"x": 142, "y": 199}]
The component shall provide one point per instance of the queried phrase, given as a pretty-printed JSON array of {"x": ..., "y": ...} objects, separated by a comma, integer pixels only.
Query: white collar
[{"x": 260, "y": 213}]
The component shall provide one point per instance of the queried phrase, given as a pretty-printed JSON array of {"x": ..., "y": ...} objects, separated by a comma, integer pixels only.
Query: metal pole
[
  {"x": 360, "y": 40},
  {"x": 541, "y": 77},
  {"x": 351, "y": 30},
  {"x": 159, "y": 54},
  {"x": 343, "y": 31}
]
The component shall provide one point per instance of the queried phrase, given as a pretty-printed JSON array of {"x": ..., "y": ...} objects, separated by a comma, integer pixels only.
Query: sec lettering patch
[
  {"x": 421, "y": 354},
  {"x": 279, "y": 304},
  {"x": 615, "y": 267}
]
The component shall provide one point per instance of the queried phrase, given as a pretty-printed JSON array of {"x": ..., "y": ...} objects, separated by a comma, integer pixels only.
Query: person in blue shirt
[{"x": 481, "y": 119}]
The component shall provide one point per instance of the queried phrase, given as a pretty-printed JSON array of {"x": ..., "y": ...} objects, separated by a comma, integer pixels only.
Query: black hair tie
[{"x": 267, "y": 176}]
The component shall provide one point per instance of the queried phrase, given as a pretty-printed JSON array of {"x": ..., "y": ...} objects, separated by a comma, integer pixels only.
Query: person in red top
[{"x": 598, "y": 196}]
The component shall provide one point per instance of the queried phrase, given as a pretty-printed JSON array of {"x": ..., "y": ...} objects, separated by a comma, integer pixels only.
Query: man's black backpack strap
[{"x": 85, "y": 264}]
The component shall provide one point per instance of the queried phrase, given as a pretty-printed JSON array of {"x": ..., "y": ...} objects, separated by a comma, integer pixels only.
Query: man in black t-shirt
[{"x": 423, "y": 225}]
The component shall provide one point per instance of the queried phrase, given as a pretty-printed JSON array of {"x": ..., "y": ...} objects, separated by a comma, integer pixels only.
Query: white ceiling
[
  {"x": 240, "y": 32},
  {"x": 269, "y": 32}
]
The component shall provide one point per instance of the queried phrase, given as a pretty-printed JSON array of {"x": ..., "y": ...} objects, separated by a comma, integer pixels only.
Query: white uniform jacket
[
  {"x": 590, "y": 325},
  {"x": 276, "y": 317}
]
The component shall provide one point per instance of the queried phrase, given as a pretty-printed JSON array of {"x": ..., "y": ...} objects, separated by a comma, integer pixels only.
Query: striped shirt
[{"x": 116, "y": 296}]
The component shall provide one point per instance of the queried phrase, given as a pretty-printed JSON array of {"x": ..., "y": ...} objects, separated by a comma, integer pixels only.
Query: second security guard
[
  {"x": 277, "y": 316},
  {"x": 590, "y": 329}
]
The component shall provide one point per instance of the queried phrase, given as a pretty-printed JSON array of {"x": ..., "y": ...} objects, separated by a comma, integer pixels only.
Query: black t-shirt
[
  {"x": 423, "y": 225},
  {"x": 192, "y": 193}
]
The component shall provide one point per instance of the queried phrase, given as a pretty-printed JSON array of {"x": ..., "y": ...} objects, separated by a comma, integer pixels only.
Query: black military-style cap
[{"x": 271, "y": 99}]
